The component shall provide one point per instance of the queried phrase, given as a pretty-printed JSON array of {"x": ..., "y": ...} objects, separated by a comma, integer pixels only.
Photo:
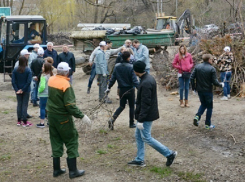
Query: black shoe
[
  {"x": 170, "y": 159},
  {"x": 28, "y": 116},
  {"x": 88, "y": 91},
  {"x": 35, "y": 105},
  {"x": 111, "y": 124},
  {"x": 40, "y": 125},
  {"x": 31, "y": 101},
  {"x": 132, "y": 126},
  {"x": 137, "y": 163},
  {"x": 56, "y": 167},
  {"x": 196, "y": 120},
  {"x": 72, "y": 165}
]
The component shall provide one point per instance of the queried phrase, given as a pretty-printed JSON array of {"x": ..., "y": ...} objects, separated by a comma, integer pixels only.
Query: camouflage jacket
[{"x": 225, "y": 61}]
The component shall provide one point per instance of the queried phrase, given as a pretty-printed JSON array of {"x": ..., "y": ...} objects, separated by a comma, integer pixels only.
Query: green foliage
[
  {"x": 5, "y": 112},
  {"x": 164, "y": 172},
  {"x": 100, "y": 152},
  {"x": 110, "y": 146},
  {"x": 5, "y": 157},
  {"x": 102, "y": 131},
  {"x": 190, "y": 176}
]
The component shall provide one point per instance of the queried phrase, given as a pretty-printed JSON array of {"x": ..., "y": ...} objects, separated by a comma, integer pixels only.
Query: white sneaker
[
  {"x": 224, "y": 98},
  {"x": 229, "y": 96}
]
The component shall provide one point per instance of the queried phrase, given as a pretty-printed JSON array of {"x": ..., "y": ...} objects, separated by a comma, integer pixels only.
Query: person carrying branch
[
  {"x": 124, "y": 74},
  {"x": 61, "y": 106},
  {"x": 146, "y": 112}
]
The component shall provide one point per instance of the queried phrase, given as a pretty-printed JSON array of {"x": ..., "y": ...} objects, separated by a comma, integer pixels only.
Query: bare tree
[{"x": 22, "y": 6}]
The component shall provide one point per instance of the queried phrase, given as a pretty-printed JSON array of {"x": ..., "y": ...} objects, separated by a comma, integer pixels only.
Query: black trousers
[{"x": 126, "y": 94}]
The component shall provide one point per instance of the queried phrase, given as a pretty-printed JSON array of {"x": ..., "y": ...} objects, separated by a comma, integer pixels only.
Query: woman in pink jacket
[{"x": 183, "y": 63}]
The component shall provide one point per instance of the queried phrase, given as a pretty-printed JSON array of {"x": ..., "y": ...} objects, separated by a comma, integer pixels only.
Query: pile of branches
[
  {"x": 59, "y": 38},
  {"x": 215, "y": 47},
  {"x": 162, "y": 64}
]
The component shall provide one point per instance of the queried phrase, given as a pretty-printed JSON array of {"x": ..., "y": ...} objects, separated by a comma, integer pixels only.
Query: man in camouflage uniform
[{"x": 61, "y": 106}]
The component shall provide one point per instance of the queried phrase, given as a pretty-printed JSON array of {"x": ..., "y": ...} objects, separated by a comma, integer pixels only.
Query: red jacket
[{"x": 185, "y": 64}]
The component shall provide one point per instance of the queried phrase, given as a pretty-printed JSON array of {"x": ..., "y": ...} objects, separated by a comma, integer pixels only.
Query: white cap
[
  {"x": 24, "y": 52},
  {"x": 63, "y": 66},
  {"x": 36, "y": 46},
  {"x": 40, "y": 51},
  {"x": 102, "y": 43},
  {"x": 227, "y": 49}
]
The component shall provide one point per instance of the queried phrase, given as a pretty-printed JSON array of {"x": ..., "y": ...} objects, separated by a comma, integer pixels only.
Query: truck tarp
[{"x": 88, "y": 34}]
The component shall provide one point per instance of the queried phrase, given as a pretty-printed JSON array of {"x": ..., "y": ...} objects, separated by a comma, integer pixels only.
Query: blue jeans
[
  {"x": 92, "y": 76},
  {"x": 22, "y": 105},
  {"x": 184, "y": 83},
  {"x": 226, "y": 77},
  {"x": 34, "y": 93},
  {"x": 147, "y": 70},
  {"x": 43, "y": 102},
  {"x": 206, "y": 99},
  {"x": 144, "y": 136}
]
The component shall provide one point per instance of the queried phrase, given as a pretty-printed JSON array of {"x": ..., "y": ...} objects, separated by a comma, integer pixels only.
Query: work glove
[
  {"x": 222, "y": 84},
  {"x": 107, "y": 91},
  {"x": 86, "y": 121},
  {"x": 140, "y": 126}
]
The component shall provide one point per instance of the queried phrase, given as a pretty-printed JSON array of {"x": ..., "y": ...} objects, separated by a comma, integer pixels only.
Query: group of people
[
  {"x": 203, "y": 78},
  {"x": 51, "y": 75},
  {"x": 30, "y": 78}
]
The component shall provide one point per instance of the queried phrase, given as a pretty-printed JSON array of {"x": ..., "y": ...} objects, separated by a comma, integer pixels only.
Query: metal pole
[
  {"x": 157, "y": 7},
  {"x": 161, "y": 7},
  {"x": 176, "y": 8}
]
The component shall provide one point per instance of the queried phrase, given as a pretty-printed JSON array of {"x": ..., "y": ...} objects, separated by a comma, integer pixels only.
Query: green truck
[{"x": 88, "y": 40}]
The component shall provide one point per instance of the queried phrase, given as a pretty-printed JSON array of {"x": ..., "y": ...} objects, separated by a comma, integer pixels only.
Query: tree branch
[
  {"x": 94, "y": 4},
  {"x": 22, "y": 6}
]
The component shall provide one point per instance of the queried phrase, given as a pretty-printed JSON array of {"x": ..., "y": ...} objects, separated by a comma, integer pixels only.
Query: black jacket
[
  {"x": 53, "y": 54},
  {"x": 124, "y": 74},
  {"x": 146, "y": 103},
  {"x": 204, "y": 77},
  {"x": 36, "y": 67},
  {"x": 68, "y": 58},
  {"x": 119, "y": 58}
]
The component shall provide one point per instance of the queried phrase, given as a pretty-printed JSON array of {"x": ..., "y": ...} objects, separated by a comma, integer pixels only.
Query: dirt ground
[{"x": 203, "y": 155}]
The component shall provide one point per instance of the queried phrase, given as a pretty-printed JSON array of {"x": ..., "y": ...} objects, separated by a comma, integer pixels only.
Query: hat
[
  {"x": 102, "y": 43},
  {"x": 40, "y": 51},
  {"x": 227, "y": 49},
  {"x": 36, "y": 46},
  {"x": 139, "y": 67},
  {"x": 24, "y": 52},
  {"x": 63, "y": 66}
]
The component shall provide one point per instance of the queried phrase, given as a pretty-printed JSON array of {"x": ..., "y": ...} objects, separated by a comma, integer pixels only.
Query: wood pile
[
  {"x": 215, "y": 47},
  {"x": 59, "y": 38},
  {"x": 162, "y": 64}
]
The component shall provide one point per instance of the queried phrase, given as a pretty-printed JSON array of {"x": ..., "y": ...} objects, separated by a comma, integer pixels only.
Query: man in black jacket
[
  {"x": 69, "y": 58},
  {"x": 203, "y": 78},
  {"x": 36, "y": 68},
  {"x": 124, "y": 74},
  {"x": 146, "y": 112}
]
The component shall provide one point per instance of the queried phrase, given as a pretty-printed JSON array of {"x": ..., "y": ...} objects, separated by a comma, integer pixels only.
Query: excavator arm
[{"x": 184, "y": 22}]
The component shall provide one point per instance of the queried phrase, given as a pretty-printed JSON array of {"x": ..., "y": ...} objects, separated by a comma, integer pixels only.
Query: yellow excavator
[{"x": 172, "y": 24}]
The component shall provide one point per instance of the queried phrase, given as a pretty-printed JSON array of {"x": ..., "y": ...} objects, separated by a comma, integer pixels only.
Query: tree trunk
[
  {"x": 96, "y": 12},
  {"x": 240, "y": 16},
  {"x": 22, "y": 6}
]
